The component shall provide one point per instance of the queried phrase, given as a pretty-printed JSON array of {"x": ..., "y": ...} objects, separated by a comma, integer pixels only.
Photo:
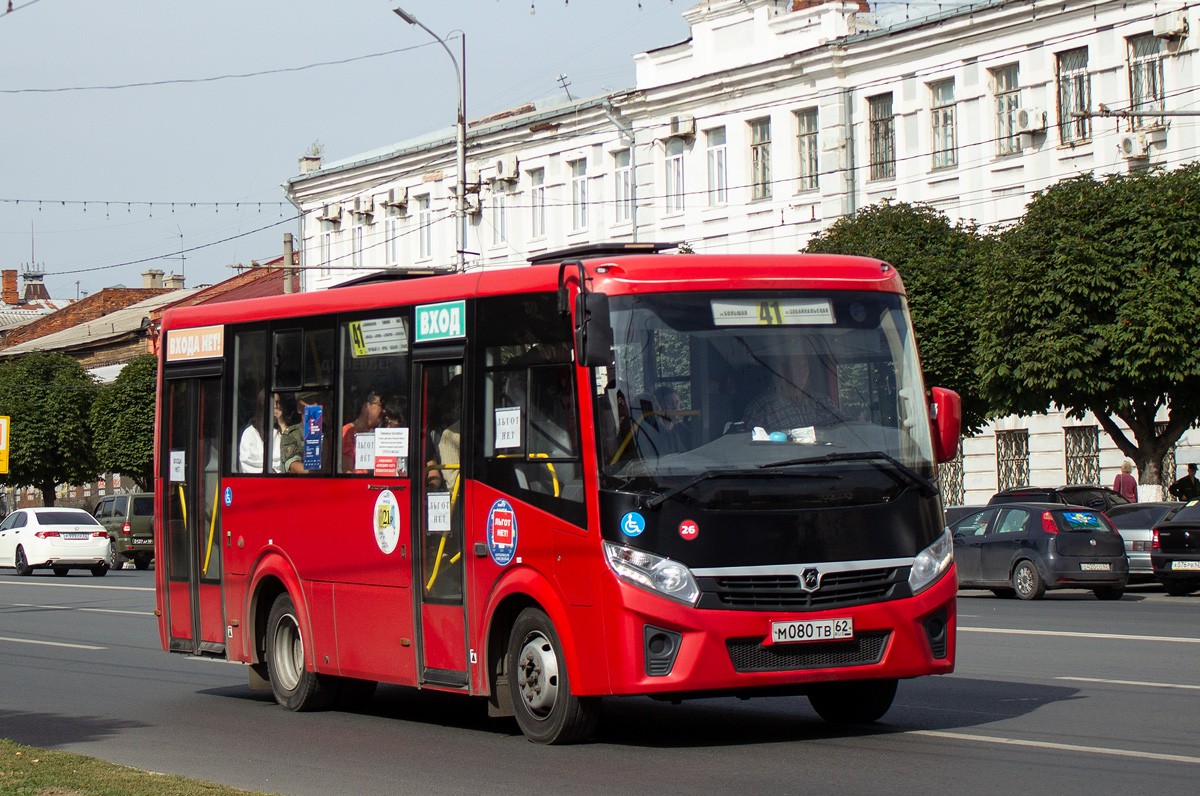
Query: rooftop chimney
[
  {"x": 9, "y": 293},
  {"x": 173, "y": 282},
  {"x": 152, "y": 278},
  {"x": 310, "y": 163}
]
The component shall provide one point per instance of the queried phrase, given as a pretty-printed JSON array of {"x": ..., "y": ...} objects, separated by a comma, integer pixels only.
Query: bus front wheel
[
  {"x": 294, "y": 686},
  {"x": 546, "y": 710},
  {"x": 854, "y": 701}
]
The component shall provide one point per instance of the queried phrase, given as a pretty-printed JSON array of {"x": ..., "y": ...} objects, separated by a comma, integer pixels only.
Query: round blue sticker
[
  {"x": 228, "y": 496},
  {"x": 502, "y": 533},
  {"x": 632, "y": 524}
]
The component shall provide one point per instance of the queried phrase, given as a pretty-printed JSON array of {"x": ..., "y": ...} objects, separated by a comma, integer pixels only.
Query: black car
[
  {"x": 1094, "y": 497},
  {"x": 1027, "y": 548},
  {"x": 1175, "y": 551}
]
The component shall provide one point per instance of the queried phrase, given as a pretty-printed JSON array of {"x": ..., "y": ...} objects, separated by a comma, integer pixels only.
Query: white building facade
[{"x": 775, "y": 119}]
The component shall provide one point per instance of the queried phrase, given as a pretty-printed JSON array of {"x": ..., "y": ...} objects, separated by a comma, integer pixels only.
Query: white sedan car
[{"x": 58, "y": 538}]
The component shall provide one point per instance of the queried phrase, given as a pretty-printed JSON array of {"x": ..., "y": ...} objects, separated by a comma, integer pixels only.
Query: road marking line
[
  {"x": 1074, "y": 634},
  {"x": 1062, "y": 747},
  {"x": 86, "y": 610},
  {"x": 1129, "y": 682},
  {"x": 73, "y": 585},
  {"x": 51, "y": 643}
]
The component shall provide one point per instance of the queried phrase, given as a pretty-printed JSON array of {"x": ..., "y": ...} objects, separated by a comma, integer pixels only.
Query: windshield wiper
[
  {"x": 658, "y": 500},
  {"x": 928, "y": 488}
]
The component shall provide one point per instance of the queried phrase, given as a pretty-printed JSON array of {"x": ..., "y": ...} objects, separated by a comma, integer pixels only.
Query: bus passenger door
[
  {"x": 441, "y": 445},
  {"x": 189, "y": 507}
]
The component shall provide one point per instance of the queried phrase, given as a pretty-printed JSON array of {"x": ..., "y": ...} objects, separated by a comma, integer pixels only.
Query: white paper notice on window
[
  {"x": 364, "y": 452},
  {"x": 508, "y": 427},
  {"x": 391, "y": 442},
  {"x": 437, "y": 506},
  {"x": 177, "y": 468}
]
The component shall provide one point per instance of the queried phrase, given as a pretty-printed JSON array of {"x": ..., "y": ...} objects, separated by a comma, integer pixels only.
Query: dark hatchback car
[
  {"x": 1023, "y": 549},
  {"x": 1094, "y": 497},
  {"x": 1175, "y": 551}
]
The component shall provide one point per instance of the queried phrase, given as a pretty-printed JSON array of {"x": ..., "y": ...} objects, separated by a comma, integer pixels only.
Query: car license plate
[
  {"x": 1185, "y": 565},
  {"x": 143, "y": 541},
  {"x": 1095, "y": 567},
  {"x": 811, "y": 630},
  {"x": 76, "y": 535}
]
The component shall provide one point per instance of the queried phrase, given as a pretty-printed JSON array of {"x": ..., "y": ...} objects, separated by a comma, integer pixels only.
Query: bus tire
[
  {"x": 295, "y": 687},
  {"x": 853, "y": 702},
  {"x": 546, "y": 710}
]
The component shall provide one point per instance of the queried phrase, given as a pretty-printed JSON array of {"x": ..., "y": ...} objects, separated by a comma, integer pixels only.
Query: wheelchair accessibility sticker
[
  {"x": 632, "y": 524},
  {"x": 502, "y": 533}
]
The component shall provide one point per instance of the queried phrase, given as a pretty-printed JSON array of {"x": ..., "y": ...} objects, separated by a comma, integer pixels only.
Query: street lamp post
[{"x": 460, "y": 210}]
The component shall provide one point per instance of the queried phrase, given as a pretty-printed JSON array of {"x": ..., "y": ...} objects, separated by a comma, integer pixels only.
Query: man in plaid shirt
[{"x": 787, "y": 404}]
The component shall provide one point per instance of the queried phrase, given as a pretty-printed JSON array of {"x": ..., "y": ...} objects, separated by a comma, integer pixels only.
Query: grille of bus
[
  {"x": 751, "y": 655},
  {"x": 783, "y": 592}
]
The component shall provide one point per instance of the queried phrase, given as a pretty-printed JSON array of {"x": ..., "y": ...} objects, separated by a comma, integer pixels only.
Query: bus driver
[{"x": 788, "y": 402}]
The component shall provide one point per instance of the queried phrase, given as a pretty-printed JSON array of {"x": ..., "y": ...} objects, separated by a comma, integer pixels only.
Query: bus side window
[
  {"x": 251, "y": 408},
  {"x": 529, "y": 418},
  {"x": 302, "y": 400},
  {"x": 374, "y": 393}
]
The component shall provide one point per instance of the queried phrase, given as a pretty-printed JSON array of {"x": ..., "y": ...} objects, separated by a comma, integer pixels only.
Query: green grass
[{"x": 27, "y": 771}]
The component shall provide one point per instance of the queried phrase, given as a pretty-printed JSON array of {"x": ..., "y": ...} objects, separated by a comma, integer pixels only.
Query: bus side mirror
[
  {"x": 945, "y": 414},
  {"x": 593, "y": 330}
]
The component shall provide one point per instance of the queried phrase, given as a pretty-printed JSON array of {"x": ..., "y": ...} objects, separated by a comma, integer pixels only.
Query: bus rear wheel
[
  {"x": 853, "y": 702},
  {"x": 546, "y": 710},
  {"x": 294, "y": 686}
]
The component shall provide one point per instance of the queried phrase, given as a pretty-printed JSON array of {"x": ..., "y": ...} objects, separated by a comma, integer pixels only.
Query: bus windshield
[{"x": 737, "y": 383}]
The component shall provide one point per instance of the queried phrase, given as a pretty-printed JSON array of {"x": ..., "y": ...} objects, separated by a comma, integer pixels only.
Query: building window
[
  {"x": 1008, "y": 100},
  {"x": 537, "y": 203},
  {"x": 1074, "y": 96},
  {"x": 674, "y": 175},
  {"x": 499, "y": 218},
  {"x": 718, "y": 181},
  {"x": 807, "y": 153},
  {"x": 424, "y": 228},
  {"x": 883, "y": 137},
  {"x": 1012, "y": 458},
  {"x": 326, "y": 255},
  {"x": 945, "y": 143},
  {"x": 1146, "y": 79},
  {"x": 391, "y": 235},
  {"x": 579, "y": 195},
  {"x": 760, "y": 159},
  {"x": 623, "y": 177},
  {"x": 1082, "y": 447},
  {"x": 356, "y": 247}
]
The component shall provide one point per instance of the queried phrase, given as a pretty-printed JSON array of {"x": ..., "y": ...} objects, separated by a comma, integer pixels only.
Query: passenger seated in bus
[
  {"x": 370, "y": 416},
  {"x": 290, "y": 430},
  {"x": 789, "y": 401},
  {"x": 250, "y": 444}
]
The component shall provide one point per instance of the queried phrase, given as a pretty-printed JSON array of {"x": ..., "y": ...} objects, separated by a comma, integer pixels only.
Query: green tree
[
  {"x": 122, "y": 422},
  {"x": 937, "y": 261},
  {"x": 47, "y": 396},
  {"x": 1093, "y": 307}
]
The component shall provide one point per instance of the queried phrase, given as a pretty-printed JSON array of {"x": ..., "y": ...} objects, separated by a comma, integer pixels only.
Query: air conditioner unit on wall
[
  {"x": 364, "y": 206},
  {"x": 330, "y": 213},
  {"x": 684, "y": 126},
  {"x": 1029, "y": 120},
  {"x": 507, "y": 168},
  {"x": 397, "y": 197},
  {"x": 1171, "y": 25},
  {"x": 1134, "y": 146}
]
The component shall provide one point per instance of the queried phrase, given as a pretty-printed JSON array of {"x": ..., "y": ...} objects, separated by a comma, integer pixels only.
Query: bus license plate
[
  {"x": 1189, "y": 565},
  {"x": 811, "y": 630},
  {"x": 1094, "y": 567}
]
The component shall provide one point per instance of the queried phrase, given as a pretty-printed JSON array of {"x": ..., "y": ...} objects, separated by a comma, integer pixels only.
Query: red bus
[{"x": 605, "y": 473}]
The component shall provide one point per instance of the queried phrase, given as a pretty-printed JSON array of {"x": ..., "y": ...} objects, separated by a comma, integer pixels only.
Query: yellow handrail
[{"x": 212, "y": 527}]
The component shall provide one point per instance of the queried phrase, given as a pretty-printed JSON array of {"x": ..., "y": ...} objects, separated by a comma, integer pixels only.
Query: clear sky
[{"x": 109, "y": 174}]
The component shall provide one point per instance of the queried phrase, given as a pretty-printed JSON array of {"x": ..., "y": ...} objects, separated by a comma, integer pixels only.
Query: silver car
[{"x": 1136, "y": 523}]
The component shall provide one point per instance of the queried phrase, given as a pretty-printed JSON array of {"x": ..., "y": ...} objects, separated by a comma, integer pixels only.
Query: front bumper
[{"x": 723, "y": 651}]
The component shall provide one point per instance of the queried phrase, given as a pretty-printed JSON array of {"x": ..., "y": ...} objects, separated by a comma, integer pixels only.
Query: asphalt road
[{"x": 1068, "y": 695}]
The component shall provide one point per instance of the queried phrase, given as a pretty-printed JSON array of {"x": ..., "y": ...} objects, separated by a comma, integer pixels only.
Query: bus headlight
[
  {"x": 661, "y": 575},
  {"x": 930, "y": 563}
]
